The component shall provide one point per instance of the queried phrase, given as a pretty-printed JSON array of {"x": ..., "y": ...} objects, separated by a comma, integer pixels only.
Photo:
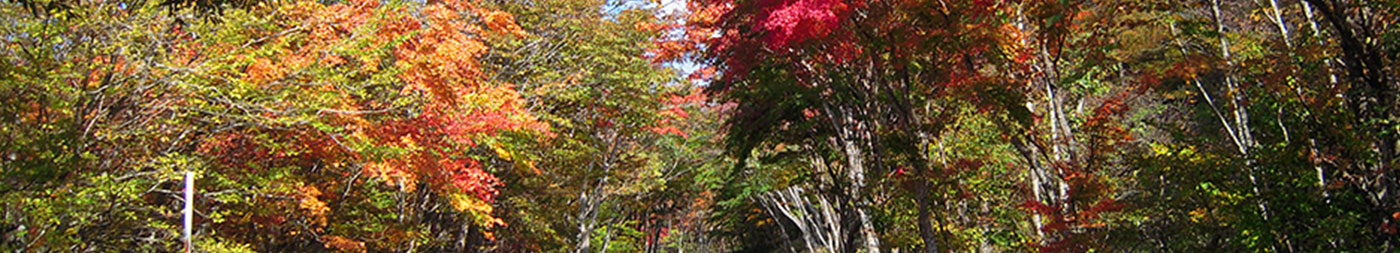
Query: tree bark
[
  {"x": 849, "y": 134},
  {"x": 925, "y": 221}
]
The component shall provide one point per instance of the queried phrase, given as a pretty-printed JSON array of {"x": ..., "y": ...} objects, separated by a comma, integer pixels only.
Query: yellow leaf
[
  {"x": 466, "y": 203},
  {"x": 502, "y": 153}
]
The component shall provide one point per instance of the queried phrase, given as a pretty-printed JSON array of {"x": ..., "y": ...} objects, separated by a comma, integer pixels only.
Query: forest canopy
[{"x": 700, "y": 125}]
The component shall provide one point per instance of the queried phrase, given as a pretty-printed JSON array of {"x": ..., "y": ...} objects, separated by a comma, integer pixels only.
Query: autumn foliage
[{"x": 700, "y": 125}]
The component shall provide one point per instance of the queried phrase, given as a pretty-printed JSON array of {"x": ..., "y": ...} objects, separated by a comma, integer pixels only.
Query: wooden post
[{"x": 189, "y": 210}]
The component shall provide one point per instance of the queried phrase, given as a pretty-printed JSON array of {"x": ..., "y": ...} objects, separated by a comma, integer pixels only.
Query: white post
[{"x": 189, "y": 210}]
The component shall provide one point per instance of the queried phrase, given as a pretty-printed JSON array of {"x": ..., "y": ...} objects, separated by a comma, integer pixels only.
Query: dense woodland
[{"x": 701, "y": 125}]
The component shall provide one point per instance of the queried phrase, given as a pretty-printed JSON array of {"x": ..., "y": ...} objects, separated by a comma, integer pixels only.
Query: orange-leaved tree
[{"x": 362, "y": 95}]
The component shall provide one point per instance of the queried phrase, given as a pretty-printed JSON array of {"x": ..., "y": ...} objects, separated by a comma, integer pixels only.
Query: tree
[
  {"x": 281, "y": 109},
  {"x": 853, "y": 90},
  {"x": 621, "y": 172}
]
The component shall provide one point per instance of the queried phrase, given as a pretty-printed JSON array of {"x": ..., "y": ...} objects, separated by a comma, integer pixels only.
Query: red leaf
[{"x": 1037, "y": 207}]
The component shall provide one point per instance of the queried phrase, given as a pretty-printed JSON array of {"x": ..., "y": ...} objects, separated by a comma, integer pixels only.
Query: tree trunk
[
  {"x": 1372, "y": 99},
  {"x": 1244, "y": 134},
  {"x": 855, "y": 170},
  {"x": 1332, "y": 81},
  {"x": 587, "y": 213},
  {"x": 816, "y": 222},
  {"x": 925, "y": 221}
]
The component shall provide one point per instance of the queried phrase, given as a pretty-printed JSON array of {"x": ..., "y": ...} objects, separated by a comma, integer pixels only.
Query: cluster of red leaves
[
  {"x": 1059, "y": 220},
  {"x": 674, "y": 112},
  {"x": 431, "y": 136},
  {"x": 788, "y": 22},
  {"x": 1089, "y": 194},
  {"x": 343, "y": 244},
  {"x": 1104, "y": 124},
  {"x": 774, "y": 28}
]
